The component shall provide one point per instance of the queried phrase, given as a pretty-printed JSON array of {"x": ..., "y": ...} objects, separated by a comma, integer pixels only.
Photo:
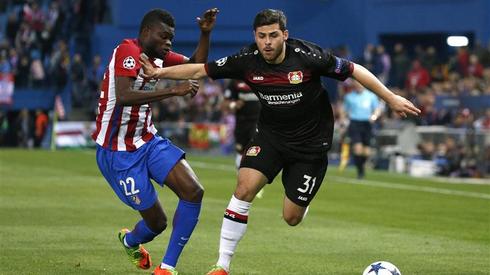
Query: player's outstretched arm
[
  {"x": 397, "y": 103},
  {"x": 185, "y": 71},
  {"x": 126, "y": 96},
  {"x": 206, "y": 24}
]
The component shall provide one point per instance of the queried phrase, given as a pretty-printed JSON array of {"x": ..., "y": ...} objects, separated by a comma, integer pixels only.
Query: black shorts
[
  {"x": 360, "y": 132},
  {"x": 244, "y": 131},
  {"x": 301, "y": 178}
]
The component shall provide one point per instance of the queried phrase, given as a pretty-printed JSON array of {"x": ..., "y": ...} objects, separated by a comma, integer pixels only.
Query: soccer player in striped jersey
[{"x": 129, "y": 150}]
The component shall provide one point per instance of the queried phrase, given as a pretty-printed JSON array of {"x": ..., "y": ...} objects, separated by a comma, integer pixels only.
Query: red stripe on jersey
[
  {"x": 116, "y": 127},
  {"x": 146, "y": 136},
  {"x": 133, "y": 121},
  {"x": 282, "y": 78}
]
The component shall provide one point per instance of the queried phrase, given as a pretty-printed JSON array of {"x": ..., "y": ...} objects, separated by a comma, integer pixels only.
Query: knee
[
  {"x": 292, "y": 220},
  {"x": 244, "y": 193},
  {"x": 195, "y": 194}
]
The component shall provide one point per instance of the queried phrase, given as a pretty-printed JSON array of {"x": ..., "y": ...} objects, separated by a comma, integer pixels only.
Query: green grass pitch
[{"x": 59, "y": 216}]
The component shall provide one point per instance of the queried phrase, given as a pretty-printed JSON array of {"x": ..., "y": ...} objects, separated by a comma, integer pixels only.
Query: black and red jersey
[{"x": 296, "y": 113}]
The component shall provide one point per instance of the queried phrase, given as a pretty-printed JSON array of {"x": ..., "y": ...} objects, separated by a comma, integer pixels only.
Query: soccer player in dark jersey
[
  {"x": 242, "y": 101},
  {"x": 129, "y": 151},
  {"x": 296, "y": 121}
]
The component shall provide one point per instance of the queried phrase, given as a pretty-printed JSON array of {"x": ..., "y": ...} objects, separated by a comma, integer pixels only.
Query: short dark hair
[
  {"x": 156, "y": 16},
  {"x": 269, "y": 17}
]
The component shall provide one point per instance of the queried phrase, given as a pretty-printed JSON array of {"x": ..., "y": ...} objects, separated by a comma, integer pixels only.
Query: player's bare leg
[
  {"x": 292, "y": 213},
  {"x": 250, "y": 182}
]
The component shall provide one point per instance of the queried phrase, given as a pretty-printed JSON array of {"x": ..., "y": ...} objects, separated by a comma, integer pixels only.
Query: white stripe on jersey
[
  {"x": 111, "y": 101},
  {"x": 138, "y": 141},
  {"x": 123, "y": 128}
]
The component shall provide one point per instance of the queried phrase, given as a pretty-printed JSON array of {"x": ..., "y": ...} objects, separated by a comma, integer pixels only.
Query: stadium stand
[{"x": 52, "y": 54}]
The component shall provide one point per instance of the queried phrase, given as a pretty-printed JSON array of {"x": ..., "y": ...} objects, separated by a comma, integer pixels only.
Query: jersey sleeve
[
  {"x": 332, "y": 66},
  {"x": 227, "y": 67},
  {"x": 173, "y": 58},
  {"x": 126, "y": 61}
]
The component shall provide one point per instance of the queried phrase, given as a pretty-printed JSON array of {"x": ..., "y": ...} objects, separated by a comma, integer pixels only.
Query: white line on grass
[
  {"x": 224, "y": 167},
  {"x": 411, "y": 187}
]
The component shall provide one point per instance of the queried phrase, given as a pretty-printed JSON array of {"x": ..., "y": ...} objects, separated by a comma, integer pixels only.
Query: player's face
[
  {"x": 157, "y": 40},
  {"x": 270, "y": 41}
]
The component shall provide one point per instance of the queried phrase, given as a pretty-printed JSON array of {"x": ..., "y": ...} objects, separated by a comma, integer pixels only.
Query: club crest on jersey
[
  {"x": 129, "y": 63},
  {"x": 295, "y": 77},
  {"x": 253, "y": 151},
  {"x": 136, "y": 199}
]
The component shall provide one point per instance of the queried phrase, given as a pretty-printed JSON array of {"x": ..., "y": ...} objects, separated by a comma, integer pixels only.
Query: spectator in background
[
  {"x": 431, "y": 59},
  {"x": 475, "y": 68},
  {"x": 382, "y": 64},
  {"x": 368, "y": 57},
  {"x": 418, "y": 77},
  {"x": 23, "y": 71},
  {"x": 483, "y": 123},
  {"x": 401, "y": 66},
  {"x": 95, "y": 75},
  {"x": 12, "y": 27},
  {"x": 462, "y": 61},
  {"x": 77, "y": 76},
  {"x": 41, "y": 125},
  {"x": 37, "y": 69}
]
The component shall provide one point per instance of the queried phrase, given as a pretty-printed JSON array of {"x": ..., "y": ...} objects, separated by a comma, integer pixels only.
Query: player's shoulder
[
  {"x": 305, "y": 49},
  {"x": 129, "y": 45},
  {"x": 249, "y": 51}
]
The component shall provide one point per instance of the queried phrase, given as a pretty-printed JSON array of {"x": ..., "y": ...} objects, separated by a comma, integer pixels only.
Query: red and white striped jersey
[{"x": 126, "y": 128}]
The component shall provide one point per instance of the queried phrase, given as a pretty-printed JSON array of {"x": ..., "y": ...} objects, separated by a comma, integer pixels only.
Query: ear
[
  {"x": 145, "y": 32},
  {"x": 286, "y": 34}
]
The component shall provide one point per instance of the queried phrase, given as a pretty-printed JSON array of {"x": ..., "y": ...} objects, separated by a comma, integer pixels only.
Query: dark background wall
[{"x": 329, "y": 23}]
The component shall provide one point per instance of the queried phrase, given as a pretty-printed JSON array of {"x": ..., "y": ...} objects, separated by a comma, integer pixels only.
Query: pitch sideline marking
[{"x": 340, "y": 180}]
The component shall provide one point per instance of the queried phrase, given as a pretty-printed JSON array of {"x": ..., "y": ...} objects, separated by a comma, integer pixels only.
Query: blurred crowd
[
  {"x": 46, "y": 44},
  {"x": 425, "y": 75}
]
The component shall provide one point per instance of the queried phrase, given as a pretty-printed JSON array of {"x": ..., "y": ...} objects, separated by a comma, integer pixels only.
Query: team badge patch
[
  {"x": 253, "y": 151},
  {"x": 136, "y": 199},
  {"x": 295, "y": 77},
  {"x": 129, "y": 63}
]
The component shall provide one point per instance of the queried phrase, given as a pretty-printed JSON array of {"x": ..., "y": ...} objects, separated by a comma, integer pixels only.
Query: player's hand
[
  {"x": 149, "y": 72},
  {"x": 206, "y": 22},
  {"x": 186, "y": 87},
  {"x": 403, "y": 107}
]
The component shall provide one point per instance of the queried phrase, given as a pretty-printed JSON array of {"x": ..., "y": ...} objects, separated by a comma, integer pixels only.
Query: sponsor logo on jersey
[
  {"x": 286, "y": 99},
  {"x": 221, "y": 62},
  {"x": 253, "y": 151},
  {"x": 129, "y": 63},
  {"x": 295, "y": 77},
  {"x": 257, "y": 78}
]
